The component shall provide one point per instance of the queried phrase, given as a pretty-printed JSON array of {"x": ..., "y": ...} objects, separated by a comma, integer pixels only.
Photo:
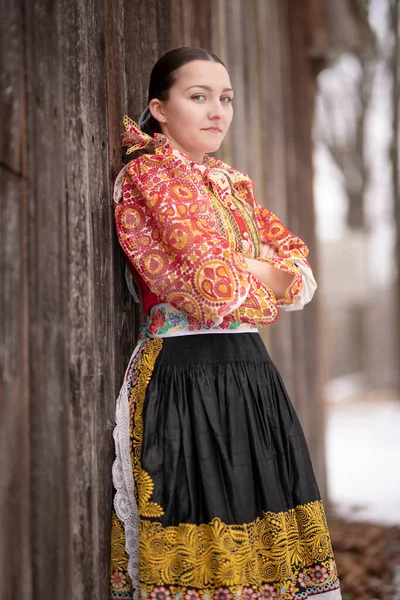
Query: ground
[
  {"x": 363, "y": 473},
  {"x": 368, "y": 559}
]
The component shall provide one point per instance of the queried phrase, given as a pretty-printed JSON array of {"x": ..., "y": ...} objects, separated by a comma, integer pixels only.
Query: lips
[{"x": 214, "y": 129}]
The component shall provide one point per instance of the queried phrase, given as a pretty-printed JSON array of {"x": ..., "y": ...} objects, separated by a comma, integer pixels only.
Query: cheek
[
  {"x": 229, "y": 115},
  {"x": 194, "y": 114},
  {"x": 185, "y": 117}
]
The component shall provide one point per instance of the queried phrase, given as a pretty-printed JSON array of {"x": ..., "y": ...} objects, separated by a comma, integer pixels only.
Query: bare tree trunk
[{"x": 395, "y": 68}]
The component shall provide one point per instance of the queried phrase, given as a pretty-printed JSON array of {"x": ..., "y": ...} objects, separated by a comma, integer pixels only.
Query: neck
[{"x": 196, "y": 156}]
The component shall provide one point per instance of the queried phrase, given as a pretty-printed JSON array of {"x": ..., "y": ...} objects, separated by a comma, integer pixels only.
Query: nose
[{"x": 216, "y": 110}]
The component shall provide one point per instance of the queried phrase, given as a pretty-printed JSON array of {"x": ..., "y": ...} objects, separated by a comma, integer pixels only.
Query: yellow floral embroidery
[
  {"x": 247, "y": 215},
  {"x": 227, "y": 225},
  {"x": 119, "y": 558},
  {"x": 144, "y": 484},
  {"x": 271, "y": 549},
  {"x": 120, "y": 580}
]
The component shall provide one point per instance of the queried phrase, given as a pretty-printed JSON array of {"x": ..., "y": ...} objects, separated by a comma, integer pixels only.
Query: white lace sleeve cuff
[{"x": 308, "y": 289}]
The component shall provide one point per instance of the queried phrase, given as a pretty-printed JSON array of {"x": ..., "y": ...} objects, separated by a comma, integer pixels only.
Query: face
[{"x": 199, "y": 109}]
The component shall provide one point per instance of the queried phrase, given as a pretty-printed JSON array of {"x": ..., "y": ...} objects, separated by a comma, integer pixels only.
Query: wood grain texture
[
  {"x": 48, "y": 296},
  {"x": 15, "y": 554},
  {"x": 12, "y": 86},
  {"x": 90, "y": 303},
  {"x": 15, "y": 538}
]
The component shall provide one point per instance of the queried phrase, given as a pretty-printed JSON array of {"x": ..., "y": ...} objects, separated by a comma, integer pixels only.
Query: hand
[
  {"x": 267, "y": 251},
  {"x": 277, "y": 280}
]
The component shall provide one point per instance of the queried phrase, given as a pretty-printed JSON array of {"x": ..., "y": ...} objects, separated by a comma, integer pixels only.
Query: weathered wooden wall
[{"x": 69, "y": 71}]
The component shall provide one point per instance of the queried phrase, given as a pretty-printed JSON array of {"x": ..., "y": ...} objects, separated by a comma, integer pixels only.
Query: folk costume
[{"x": 215, "y": 496}]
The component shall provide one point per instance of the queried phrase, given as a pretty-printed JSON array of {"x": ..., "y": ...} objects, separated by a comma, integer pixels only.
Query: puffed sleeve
[
  {"x": 292, "y": 254},
  {"x": 170, "y": 235},
  {"x": 292, "y": 251}
]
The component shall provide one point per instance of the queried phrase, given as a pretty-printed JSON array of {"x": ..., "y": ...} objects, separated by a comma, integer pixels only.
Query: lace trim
[{"x": 124, "y": 501}]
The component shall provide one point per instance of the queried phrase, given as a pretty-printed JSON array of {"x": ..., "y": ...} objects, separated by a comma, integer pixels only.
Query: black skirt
[{"x": 227, "y": 499}]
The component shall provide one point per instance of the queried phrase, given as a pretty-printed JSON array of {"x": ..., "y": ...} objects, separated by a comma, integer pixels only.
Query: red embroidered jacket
[{"x": 186, "y": 226}]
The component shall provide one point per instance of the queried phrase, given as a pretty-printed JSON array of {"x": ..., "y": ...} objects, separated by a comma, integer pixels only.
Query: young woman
[{"x": 215, "y": 493}]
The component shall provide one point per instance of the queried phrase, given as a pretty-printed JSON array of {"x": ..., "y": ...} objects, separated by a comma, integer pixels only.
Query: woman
[{"x": 215, "y": 493}]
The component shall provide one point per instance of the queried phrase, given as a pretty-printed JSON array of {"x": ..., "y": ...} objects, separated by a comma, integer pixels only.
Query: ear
[{"x": 156, "y": 107}]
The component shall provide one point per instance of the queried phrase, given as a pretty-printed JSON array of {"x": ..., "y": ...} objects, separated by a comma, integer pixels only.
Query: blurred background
[
  {"x": 317, "y": 127},
  {"x": 356, "y": 194},
  {"x": 357, "y": 200}
]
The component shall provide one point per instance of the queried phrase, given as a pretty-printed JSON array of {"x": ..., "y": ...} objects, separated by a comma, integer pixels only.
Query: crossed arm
[{"x": 275, "y": 279}]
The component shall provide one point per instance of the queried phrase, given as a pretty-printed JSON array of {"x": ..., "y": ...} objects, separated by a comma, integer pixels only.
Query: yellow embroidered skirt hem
[{"x": 225, "y": 500}]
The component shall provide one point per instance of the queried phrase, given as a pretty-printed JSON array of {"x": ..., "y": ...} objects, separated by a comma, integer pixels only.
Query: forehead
[{"x": 202, "y": 72}]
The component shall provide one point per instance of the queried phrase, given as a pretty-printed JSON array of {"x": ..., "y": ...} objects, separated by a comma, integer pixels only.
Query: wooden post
[
  {"x": 15, "y": 488},
  {"x": 394, "y": 16}
]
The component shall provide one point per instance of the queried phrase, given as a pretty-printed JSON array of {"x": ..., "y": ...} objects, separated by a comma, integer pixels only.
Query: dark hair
[{"x": 163, "y": 76}]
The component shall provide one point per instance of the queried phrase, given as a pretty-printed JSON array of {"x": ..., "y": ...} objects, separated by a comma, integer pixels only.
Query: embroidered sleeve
[
  {"x": 168, "y": 232},
  {"x": 292, "y": 257},
  {"x": 292, "y": 251}
]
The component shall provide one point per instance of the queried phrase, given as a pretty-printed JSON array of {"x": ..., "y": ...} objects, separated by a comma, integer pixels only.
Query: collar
[
  {"x": 136, "y": 139},
  {"x": 211, "y": 169}
]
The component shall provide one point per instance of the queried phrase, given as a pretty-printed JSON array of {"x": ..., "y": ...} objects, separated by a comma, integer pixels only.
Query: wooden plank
[
  {"x": 48, "y": 293},
  {"x": 107, "y": 306},
  {"x": 149, "y": 46},
  {"x": 137, "y": 67},
  {"x": 116, "y": 47},
  {"x": 278, "y": 133},
  {"x": 252, "y": 151},
  {"x": 165, "y": 16},
  {"x": 196, "y": 16},
  {"x": 176, "y": 23},
  {"x": 91, "y": 308},
  {"x": 134, "y": 57},
  {"x": 273, "y": 64},
  {"x": 12, "y": 97},
  {"x": 15, "y": 541}
]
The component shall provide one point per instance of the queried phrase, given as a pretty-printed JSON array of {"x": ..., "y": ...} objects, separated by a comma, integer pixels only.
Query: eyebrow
[{"x": 207, "y": 87}]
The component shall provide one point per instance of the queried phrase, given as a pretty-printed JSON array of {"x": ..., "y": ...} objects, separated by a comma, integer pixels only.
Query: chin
[{"x": 213, "y": 148}]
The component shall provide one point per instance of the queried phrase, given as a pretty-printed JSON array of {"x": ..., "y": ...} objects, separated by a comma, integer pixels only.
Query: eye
[
  {"x": 226, "y": 99},
  {"x": 198, "y": 96}
]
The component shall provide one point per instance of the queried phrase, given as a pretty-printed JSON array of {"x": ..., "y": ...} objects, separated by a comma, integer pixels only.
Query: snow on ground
[{"x": 363, "y": 457}]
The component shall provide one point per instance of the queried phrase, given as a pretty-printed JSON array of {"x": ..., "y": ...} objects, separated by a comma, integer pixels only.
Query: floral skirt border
[{"x": 215, "y": 555}]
